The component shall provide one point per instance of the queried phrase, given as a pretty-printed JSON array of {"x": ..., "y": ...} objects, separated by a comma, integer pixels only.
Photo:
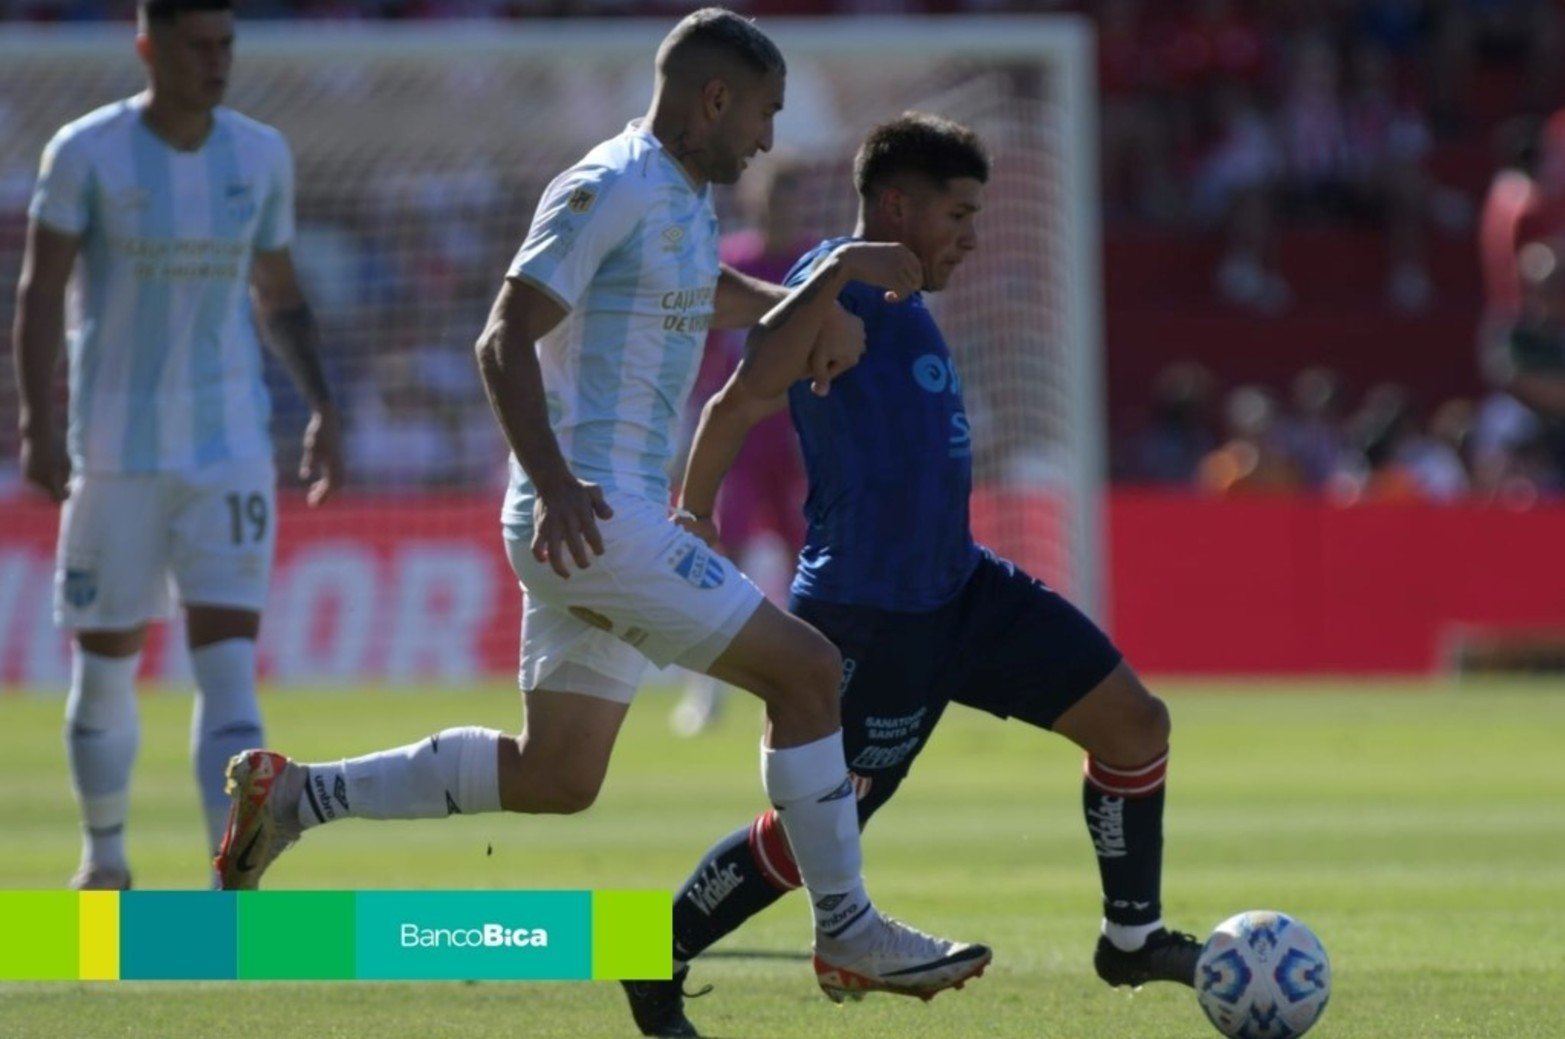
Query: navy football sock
[
  {"x": 1124, "y": 812},
  {"x": 741, "y": 875}
]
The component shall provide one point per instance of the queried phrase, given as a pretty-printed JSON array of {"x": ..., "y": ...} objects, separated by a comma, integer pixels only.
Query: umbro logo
[{"x": 340, "y": 791}]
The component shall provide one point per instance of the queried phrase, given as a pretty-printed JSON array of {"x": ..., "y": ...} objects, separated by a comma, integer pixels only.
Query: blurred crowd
[
  {"x": 1237, "y": 117},
  {"x": 1321, "y": 437},
  {"x": 92, "y": 10},
  {"x": 1251, "y": 116},
  {"x": 1254, "y": 115}
]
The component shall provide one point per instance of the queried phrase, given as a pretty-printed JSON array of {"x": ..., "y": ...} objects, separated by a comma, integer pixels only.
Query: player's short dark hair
[
  {"x": 929, "y": 146},
  {"x": 719, "y": 31},
  {"x": 164, "y": 11}
]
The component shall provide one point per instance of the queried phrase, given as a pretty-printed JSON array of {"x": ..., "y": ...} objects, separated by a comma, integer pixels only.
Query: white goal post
[{"x": 421, "y": 149}]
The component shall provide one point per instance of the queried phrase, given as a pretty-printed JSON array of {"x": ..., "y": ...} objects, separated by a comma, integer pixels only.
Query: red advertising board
[{"x": 418, "y": 589}]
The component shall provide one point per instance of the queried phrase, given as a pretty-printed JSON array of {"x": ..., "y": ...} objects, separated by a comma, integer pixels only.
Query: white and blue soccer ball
[{"x": 1263, "y": 975}]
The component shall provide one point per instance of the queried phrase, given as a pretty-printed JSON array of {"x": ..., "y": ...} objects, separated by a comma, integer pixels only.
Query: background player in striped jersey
[
  {"x": 588, "y": 357},
  {"x": 923, "y": 616},
  {"x": 179, "y": 209}
]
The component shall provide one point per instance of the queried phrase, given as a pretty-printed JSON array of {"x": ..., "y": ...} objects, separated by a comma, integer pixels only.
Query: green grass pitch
[{"x": 1418, "y": 828}]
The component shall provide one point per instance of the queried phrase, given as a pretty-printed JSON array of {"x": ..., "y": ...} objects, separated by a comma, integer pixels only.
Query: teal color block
[
  {"x": 433, "y": 935},
  {"x": 178, "y": 935}
]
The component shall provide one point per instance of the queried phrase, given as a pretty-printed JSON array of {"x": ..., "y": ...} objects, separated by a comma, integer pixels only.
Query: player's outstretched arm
[
  {"x": 568, "y": 509},
  {"x": 726, "y": 420},
  {"x": 796, "y": 338},
  {"x": 288, "y": 327},
  {"x": 742, "y": 300},
  {"x": 36, "y": 335}
]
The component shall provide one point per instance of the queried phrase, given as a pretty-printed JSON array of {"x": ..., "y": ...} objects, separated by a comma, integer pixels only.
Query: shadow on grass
[{"x": 756, "y": 954}]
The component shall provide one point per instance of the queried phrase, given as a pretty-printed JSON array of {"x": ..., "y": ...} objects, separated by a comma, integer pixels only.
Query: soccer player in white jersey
[
  {"x": 589, "y": 354},
  {"x": 179, "y": 210}
]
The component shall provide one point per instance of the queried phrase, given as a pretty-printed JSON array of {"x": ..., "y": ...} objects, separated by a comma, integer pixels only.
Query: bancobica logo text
[{"x": 488, "y": 936}]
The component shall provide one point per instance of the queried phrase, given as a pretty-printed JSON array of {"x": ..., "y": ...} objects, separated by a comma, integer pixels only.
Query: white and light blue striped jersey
[
  {"x": 165, "y": 366},
  {"x": 628, "y": 246}
]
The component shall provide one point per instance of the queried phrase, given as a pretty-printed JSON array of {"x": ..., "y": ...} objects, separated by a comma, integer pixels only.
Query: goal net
[{"x": 421, "y": 151}]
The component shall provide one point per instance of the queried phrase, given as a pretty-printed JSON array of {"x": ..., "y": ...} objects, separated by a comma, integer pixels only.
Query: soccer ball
[{"x": 1263, "y": 975}]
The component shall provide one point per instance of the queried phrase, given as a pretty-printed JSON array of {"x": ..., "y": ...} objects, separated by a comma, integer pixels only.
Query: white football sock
[
  {"x": 225, "y": 721},
  {"x": 809, "y": 787},
  {"x": 1129, "y": 937},
  {"x": 455, "y": 771},
  {"x": 102, "y": 732}
]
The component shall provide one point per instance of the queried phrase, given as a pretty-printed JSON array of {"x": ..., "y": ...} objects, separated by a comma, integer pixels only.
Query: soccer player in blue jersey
[
  {"x": 181, "y": 211},
  {"x": 923, "y": 616},
  {"x": 590, "y": 351}
]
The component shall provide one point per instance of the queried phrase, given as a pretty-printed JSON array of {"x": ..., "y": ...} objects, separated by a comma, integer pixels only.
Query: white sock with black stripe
[
  {"x": 456, "y": 771},
  {"x": 809, "y": 787}
]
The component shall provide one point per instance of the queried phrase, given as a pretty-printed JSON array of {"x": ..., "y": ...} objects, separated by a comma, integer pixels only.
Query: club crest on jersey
[
  {"x": 241, "y": 201},
  {"x": 698, "y": 567},
  {"x": 81, "y": 588},
  {"x": 581, "y": 200}
]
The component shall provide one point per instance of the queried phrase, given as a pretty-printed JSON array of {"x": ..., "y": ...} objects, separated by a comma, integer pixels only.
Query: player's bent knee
[
  {"x": 816, "y": 674},
  {"x": 1120, "y": 722},
  {"x": 1142, "y": 728},
  {"x": 1155, "y": 722},
  {"x": 823, "y": 668}
]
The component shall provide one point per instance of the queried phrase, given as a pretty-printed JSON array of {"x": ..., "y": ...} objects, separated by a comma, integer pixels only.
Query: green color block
[
  {"x": 296, "y": 935},
  {"x": 38, "y": 936},
  {"x": 632, "y": 934}
]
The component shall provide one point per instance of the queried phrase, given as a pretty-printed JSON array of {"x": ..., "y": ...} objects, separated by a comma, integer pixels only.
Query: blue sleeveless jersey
[{"x": 889, "y": 457}]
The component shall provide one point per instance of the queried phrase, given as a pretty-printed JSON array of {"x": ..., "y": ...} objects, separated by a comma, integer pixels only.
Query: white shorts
[
  {"x": 125, "y": 539},
  {"x": 657, "y": 593}
]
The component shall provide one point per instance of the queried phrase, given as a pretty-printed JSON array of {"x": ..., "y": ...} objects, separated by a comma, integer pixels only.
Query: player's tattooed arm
[
  {"x": 742, "y": 300},
  {"x": 290, "y": 331}
]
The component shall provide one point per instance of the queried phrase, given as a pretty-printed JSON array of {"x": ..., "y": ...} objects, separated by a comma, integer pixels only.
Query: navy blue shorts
[{"x": 1007, "y": 644}]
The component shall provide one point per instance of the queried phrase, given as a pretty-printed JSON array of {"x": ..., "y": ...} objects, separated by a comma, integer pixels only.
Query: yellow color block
[{"x": 98, "y": 917}]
